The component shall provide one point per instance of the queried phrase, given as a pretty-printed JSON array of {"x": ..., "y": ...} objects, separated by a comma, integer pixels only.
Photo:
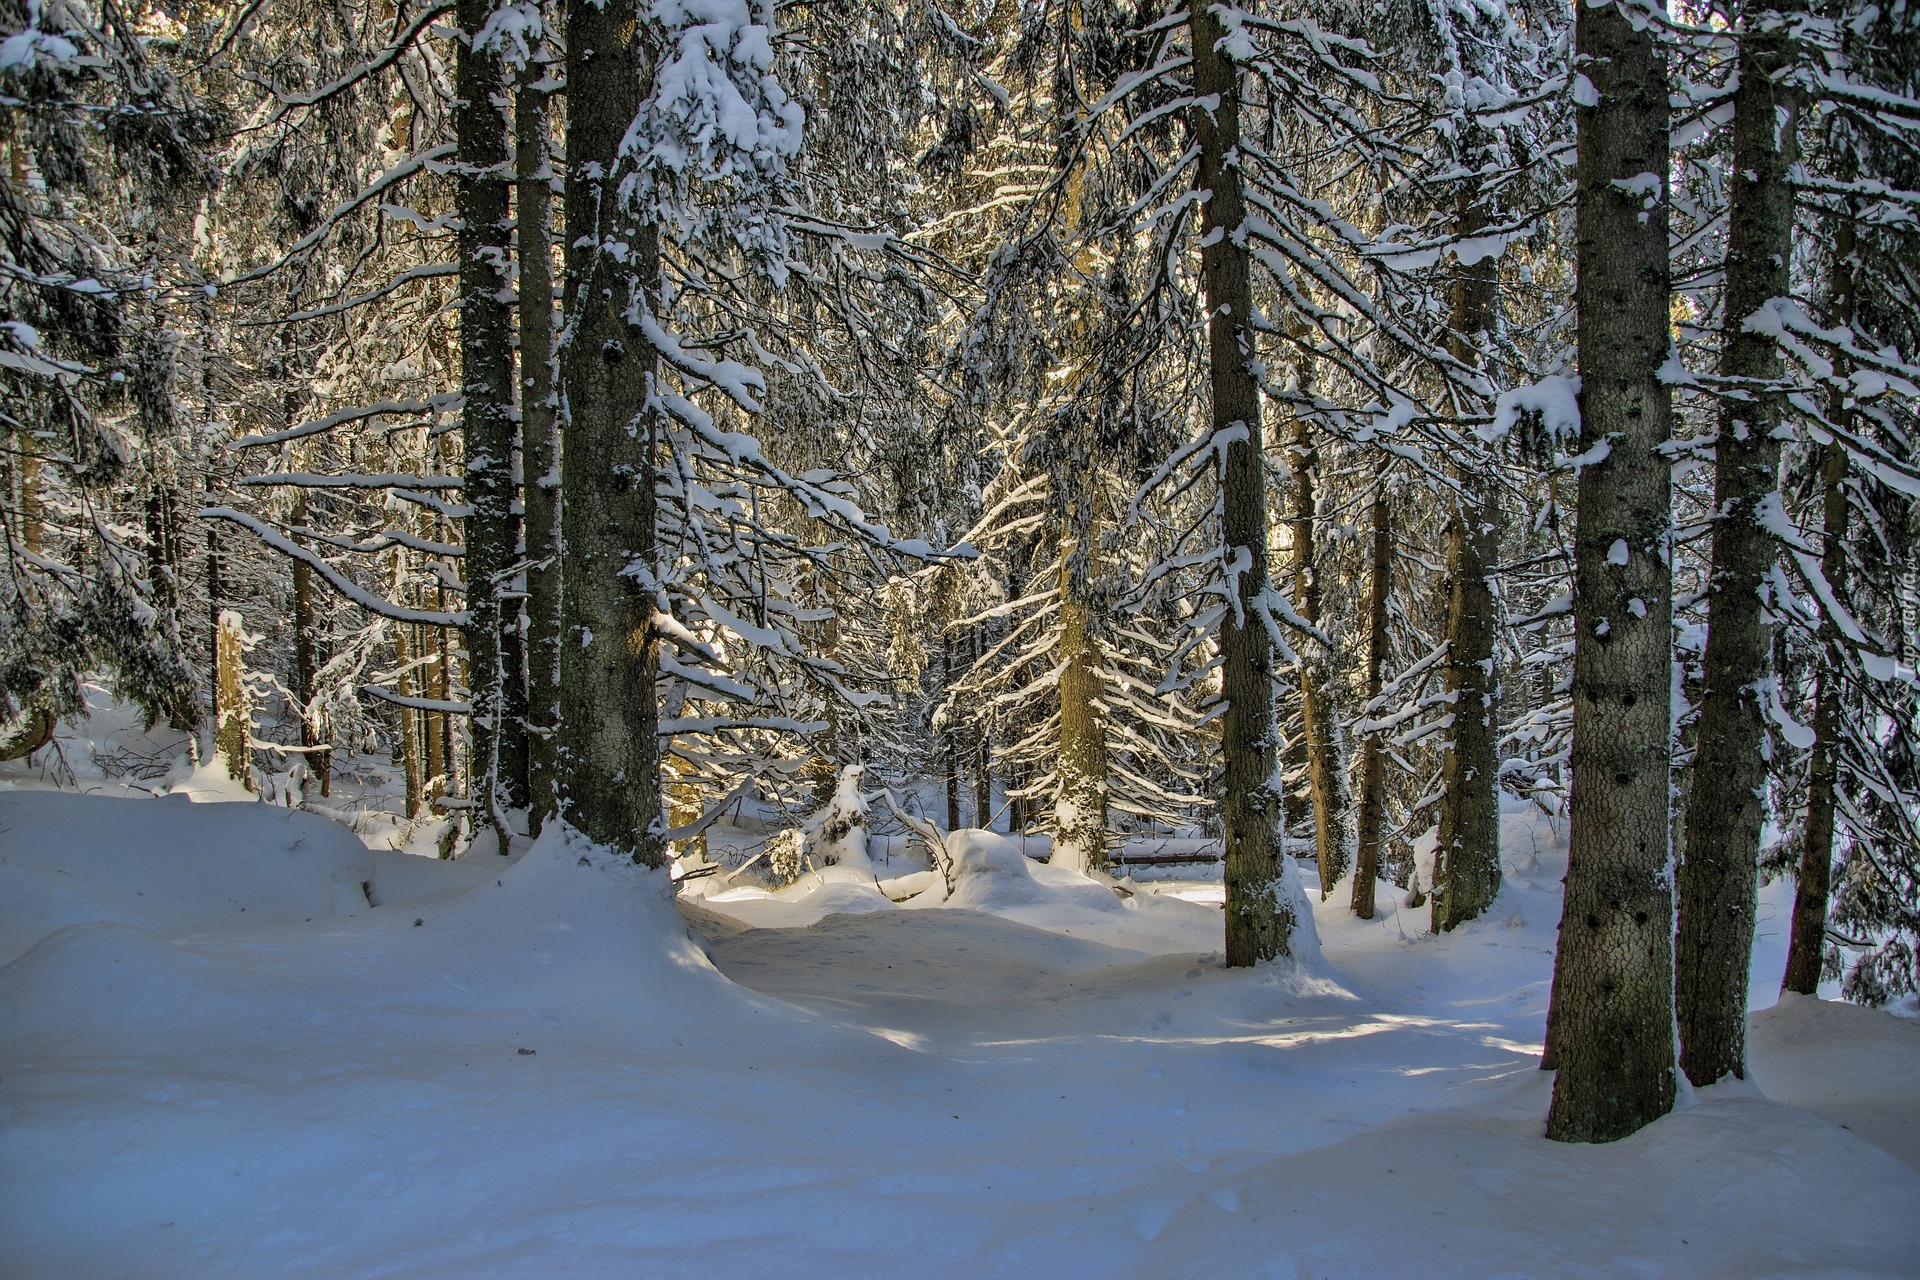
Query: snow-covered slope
[{"x": 528, "y": 1069}]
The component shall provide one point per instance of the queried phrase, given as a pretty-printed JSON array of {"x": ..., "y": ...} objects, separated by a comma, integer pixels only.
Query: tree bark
[
  {"x": 609, "y": 748},
  {"x": 1719, "y": 876},
  {"x": 1612, "y": 1001},
  {"x": 1466, "y": 872},
  {"x": 306, "y": 655},
  {"x": 1259, "y": 924},
  {"x": 410, "y": 764},
  {"x": 487, "y": 421},
  {"x": 539, "y": 439},
  {"x": 232, "y": 716},
  {"x": 950, "y": 754},
  {"x": 982, "y": 760},
  {"x": 1326, "y": 776},
  {"x": 1373, "y": 772},
  {"x": 1080, "y": 802},
  {"x": 1806, "y": 947}
]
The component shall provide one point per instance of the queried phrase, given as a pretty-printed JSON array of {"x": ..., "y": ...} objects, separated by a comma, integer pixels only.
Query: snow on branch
[
  {"x": 445, "y": 403},
  {"x": 345, "y": 586}
]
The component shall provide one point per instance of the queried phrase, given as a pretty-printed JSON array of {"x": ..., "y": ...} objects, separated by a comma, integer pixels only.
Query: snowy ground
[{"x": 217, "y": 1057}]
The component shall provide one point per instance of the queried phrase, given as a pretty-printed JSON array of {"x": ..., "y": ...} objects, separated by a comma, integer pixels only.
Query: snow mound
[
  {"x": 991, "y": 877},
  {"x": 817, "y": 894},
  {"x": 1721, "y": 1190},
  {"x": 570, "y": 926},
  {"x": 168, "y": 864}
]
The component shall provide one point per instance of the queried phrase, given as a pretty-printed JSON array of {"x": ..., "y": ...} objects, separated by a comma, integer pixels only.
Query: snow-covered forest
[{"x": 1229, "y": 598}]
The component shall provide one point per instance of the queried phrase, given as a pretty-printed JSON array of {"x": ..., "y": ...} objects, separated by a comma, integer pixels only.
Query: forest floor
[{"x": 216, "y": 1057}]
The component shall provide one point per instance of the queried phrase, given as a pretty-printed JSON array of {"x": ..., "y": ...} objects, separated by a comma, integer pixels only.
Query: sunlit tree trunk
[
  {"x": 232, "y": 715},
  {"x": 1080, "y": 804}
]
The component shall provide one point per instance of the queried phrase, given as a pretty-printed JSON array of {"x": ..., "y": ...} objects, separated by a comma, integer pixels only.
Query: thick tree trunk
[
  {"x": 1260, "y": 921},
  {"x": 1466, "y": 872},
  {"x": 1719, "y": 877},
  {"x": 539, "y": 440},
  {"x": 609, "y": 761},
  {"x": 1371, "y": 817},
  {"x": 1326, "y": 774},
  {"x": 1612, "y": 1014},
  {"x": 1080, "y": 802},
  {"x": 1806, "y": 948},
  {"x": 487, "y": 422}
]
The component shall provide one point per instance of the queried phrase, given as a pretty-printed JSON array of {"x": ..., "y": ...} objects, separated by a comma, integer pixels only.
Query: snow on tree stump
[{"x": 232, "y": 716}]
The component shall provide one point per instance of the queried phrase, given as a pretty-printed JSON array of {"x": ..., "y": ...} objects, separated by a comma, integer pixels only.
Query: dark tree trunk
[
  {"x": 1613, "y": 975},
  {"x": 609, "y": 714},
  {"x": 1806, "y": 948},
  {"x": 949, "y": 737},
  {"x": 1466, "y": 873},
  {"x": 306, "y": 655},
  {"x": 487, "y": 421},
  {"x": 404, "y": 652},
  {"x": 1719, "y": 875},
  {"x": 982, "y": 762},
  {"x": 539, "y": 439},
  {"x": 1259, "y": 919},
  {"x": 1371, "y": 816}
]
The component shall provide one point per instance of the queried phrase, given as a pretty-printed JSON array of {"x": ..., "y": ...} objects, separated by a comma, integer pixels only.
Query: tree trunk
[
  {"x": 1719, "y": 877},
  {"x": 486, "y": 380},
  {"x": 539, "y": 440},
  {"x": 1466, "y": 872},
  {"x": 949, "y": 753},
  {"x": 306, "y": 655},
  {"x": 609, "y": 656},
  {"x": 1080, "y": 801},
  {"x": 439, "y": 757},
  {"x": 982, "y": 759},
  {"x": 232, "y": 716},
  {"x": 1326, "y": 778},
  {"x": 1612, "y": 1015},
  {"x": 1260, "y": 921},
  {"x": 1373, "y": 770},
  {"x": 403, "y": 655},
  {"x": 1806, "y": 948}
]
